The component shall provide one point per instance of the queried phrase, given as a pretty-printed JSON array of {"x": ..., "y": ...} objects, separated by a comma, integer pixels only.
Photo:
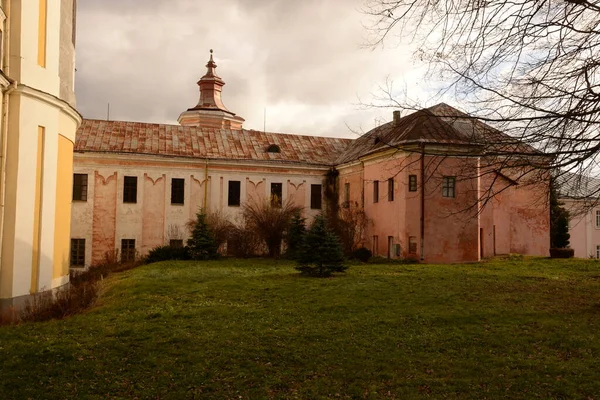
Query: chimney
[{"x": 396, "y": 117}]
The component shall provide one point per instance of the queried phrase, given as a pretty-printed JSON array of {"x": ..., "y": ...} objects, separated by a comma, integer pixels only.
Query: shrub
[
  {"x": 202, "y": 244},
  {"x": 295, "y": 235},
  {"x": 562, "y": 253},
  {"x": 220, "y": 227},
  {"x": 321, "y": 253},
  {"x": 242, "y": 241},
  {"x": 269, "y": 222},
  {"x": 362, "y": 254},
  {"x": 164, "y": 253}
]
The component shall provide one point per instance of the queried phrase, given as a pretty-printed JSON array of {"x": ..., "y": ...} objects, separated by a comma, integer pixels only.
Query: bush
[
  {"x": 562, "y": 253},
  {"x": 242, "y": 241},
  {"x": 202, "y": 244},
  {"x": 384, "y": 260},
  {"x": 362, "y": 254},
  {"x": 269, "y": 221},
  {"x": 321, "y": 253},
  {"x": 164, "y": 253}
]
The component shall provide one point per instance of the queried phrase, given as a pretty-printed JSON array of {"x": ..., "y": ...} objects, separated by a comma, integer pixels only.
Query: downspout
[
  {"x": 4, "y": 128},
  {"x": 206, "y": 187},
  {"x": 422, "y": 201}
]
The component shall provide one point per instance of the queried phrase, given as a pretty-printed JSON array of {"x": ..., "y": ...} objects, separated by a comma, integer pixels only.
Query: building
[
  {"x": 38, "y": 125},
  {"x": 579, "y": 196},
  {"x": 137, "y": 184}
]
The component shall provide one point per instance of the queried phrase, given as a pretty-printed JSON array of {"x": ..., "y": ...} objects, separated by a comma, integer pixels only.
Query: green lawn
[{"x": 255, "y": 329}]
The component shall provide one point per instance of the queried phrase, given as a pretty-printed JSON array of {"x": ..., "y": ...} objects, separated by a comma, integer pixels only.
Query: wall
[{"x": 153, "y": 220}]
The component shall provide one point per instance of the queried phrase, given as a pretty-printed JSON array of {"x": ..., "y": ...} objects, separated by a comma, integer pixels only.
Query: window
[
  {"x": 391, "y": 189},
  {"x": 177, "y": 243},
  {"x": 346, "y": 203},
  {"x": 233, "y": 198},
  {"x": 448, "y": 186},
  {"x": 77, "y": 253},
  {"x": 375, "y": 245},
  {"x": 598, "y": 251},
  {"x": 315, "y": 197},
  {"x": 276, "y": 194},
  {"x": 127, "y": 250},
  {"x": 412, "y": 244},
  {"x": 130, "y": 189},
  {"x": 80, "y": 183},
  {"x": 597, "y": 218},
  {"x": 177, "y": 190},
  {"x": 375, "y": 191},
  {"x": 273, "y": 148},
  {"x": 412, "y": 183}
]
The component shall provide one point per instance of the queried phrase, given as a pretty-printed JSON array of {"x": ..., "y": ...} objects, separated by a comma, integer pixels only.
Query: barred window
[
  {"x": 412, "y": 183},
  {"x": 77, "y": 253},
  {"x": 448, "y": 186},
  {"x": 127, "y": 250}
]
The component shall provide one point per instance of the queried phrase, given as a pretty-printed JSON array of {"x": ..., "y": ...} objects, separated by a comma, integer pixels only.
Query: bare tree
[{"x": 529, "y": 68}]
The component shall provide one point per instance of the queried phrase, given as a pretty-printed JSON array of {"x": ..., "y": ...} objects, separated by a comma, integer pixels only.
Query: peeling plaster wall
[{"x": 153, "y": 220}]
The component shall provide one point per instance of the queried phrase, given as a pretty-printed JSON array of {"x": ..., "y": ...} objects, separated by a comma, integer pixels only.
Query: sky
[{"x": 305, "y": 62}]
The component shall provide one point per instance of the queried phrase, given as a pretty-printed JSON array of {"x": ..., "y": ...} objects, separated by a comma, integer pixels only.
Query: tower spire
[{"x": 210, "y": 107}]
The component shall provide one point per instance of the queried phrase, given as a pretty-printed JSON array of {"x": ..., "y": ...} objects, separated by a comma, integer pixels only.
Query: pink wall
[
  {"x": 153, "y": 212},
  {"x": 104, "y": 217}
]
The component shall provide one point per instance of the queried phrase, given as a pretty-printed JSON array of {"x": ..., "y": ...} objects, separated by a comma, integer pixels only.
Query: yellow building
[{"x": 37, "y": 131}]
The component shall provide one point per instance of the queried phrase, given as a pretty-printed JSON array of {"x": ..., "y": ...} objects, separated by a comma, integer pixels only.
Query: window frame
[
  {"x": 412, "y": 183},
  {"x": 375, "y": 191},
  {"x": 597, "y": 219},
  {"x": 130, "y": 188},
  {"x": 449, "y": 187},
  {"x": 80, "y": 189},
  {"x": 178, "y": 192},
  {"x": 176, "y": 243},
  {"x": 77, "y": 249},
  {"x": 316, "y": 202},
  {"x": 234, "y": 203},
  {"x": 127, "y": 250},
  {"x": 276, "y": 199},
  {"x": 391, "y": 189}
]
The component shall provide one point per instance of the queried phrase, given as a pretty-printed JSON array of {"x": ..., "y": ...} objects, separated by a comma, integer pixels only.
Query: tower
[{"x": 210, "y": 112}]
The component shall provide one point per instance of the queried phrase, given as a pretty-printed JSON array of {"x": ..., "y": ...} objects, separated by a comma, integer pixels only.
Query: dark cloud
[{"x": 302, "y": 60}]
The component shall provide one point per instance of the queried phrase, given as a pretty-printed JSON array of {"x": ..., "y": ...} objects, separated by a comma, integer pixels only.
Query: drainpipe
[
  {"x": 206, "y": 187},
  {"x": 4, "y": 127},
  {"x": 422, "y": 201}
]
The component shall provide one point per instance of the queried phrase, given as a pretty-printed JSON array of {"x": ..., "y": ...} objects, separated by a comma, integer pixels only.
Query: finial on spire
[{"x": 211, "y": 65}]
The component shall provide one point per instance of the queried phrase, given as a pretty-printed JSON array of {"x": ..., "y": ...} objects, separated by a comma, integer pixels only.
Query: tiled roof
[
  {"x": 196, "y": 142},
  {"x": 440, "y": 124},
  {"x": 577, "y": 186}
]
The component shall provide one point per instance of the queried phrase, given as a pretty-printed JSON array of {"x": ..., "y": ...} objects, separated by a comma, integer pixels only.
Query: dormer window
[{"x": 273, "y": 148}]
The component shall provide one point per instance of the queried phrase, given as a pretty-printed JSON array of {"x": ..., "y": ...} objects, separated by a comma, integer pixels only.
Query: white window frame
[{"x": 597, "y": 219}]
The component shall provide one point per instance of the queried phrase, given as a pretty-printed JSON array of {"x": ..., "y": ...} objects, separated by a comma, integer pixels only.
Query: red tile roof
[{"x": 196, "y": 142}]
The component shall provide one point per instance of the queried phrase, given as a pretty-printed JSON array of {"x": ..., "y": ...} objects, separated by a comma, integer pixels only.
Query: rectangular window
[
  {"x": 77, "y": 253},
  {"x": 375, "y": 191},
  {"x": 597, "y": 218},
  {"x": 375, "y": 245},
  {"x": 448, "y": 186},
  {"x": 391, "y": 189},
  {"x": 80, "y": 186},
  {"x": 412, "y": 183},
  {"x": 233, "y": 197},
  {"x": 346, "y": 195},
  {"x": 130, "y": 189},
  {"x": 177, "y": 190},
  {"x": 177, "y": 243},
  {"x": 127, "y": 250},
  {"x": 598, "y": 251},
  {"x": 315, "y": 197},
  {"x": 412, "y": 244},
  {"x": 42, "y": 22},
  {"x": 276, "y": 194}
]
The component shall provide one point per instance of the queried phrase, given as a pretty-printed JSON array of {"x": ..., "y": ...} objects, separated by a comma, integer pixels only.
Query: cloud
[{"x": 301, "y": 60}]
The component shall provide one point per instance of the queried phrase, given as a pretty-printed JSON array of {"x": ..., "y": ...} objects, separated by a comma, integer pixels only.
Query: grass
[{"x": 254, "y": 329}]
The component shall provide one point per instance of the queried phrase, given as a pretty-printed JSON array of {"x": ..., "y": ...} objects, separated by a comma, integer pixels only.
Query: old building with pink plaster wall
[{"x": 416, "y": 178}]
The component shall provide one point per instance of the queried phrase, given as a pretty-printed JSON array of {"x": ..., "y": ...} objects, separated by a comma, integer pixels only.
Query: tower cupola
[{"x": 210, "y": 112}]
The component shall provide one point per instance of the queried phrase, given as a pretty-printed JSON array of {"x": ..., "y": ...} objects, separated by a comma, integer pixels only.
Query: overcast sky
[{"x": 302, "y": 60}]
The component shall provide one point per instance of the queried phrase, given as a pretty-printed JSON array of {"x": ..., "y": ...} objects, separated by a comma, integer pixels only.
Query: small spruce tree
[
  {"x": 202, "y": 243},
  {"x": 321, "y": 253},
  {"x": 559, "y": 220},
  {"x": 295, "y": 236}
]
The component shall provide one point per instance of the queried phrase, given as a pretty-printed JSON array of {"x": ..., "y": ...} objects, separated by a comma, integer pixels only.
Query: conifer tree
[
  {"x": 295, "y": 236},
  {"x": 321, "y": 253},
  {"x": 559, "y": 220},
  {"x": 202, "y": 244}
]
